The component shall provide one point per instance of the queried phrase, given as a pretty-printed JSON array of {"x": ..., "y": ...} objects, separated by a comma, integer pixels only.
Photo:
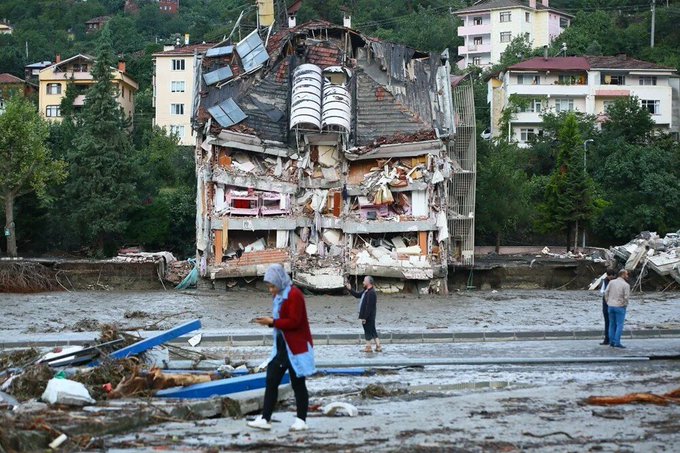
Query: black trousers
[
  {"x": 369, "y": 330},
  {"x": 275, "y": 371},
  {"x": 605, "y": 313}
]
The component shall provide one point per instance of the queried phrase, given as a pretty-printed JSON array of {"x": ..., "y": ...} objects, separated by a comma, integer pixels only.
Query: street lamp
[{"x": 585, "y": 175}]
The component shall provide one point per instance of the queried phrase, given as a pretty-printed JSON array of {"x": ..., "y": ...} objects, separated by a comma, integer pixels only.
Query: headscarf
[{"x": 277, "y": 276}]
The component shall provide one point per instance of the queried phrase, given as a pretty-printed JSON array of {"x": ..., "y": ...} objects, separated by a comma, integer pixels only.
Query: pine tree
[
  {"x": 569, "y": 198},
  {"x": 101, "y": 187}
]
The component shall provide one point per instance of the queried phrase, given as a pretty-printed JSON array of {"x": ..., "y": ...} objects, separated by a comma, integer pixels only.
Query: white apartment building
[
  {"x": 584, "y": 84},
  {"x": 174, "y": 89},
  {"x": 490, "y": 25}
]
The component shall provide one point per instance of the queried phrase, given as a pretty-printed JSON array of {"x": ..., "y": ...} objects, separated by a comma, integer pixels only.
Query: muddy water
[{"x": 233, "y": 311}]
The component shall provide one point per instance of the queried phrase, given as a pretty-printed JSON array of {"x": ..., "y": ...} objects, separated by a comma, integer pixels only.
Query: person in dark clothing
[
  {"x": 611, "y": 275},
  {"x": 367, "y": 311},
  {"x": 293, "y": 348}
]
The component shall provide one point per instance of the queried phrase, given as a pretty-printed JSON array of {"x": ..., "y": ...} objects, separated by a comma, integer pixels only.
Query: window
[
  {"x": 122, "y": 92},
  {"x": 564, "y": 22},
  {"x": 79, "y": 67},
  {"x": 527, "y": 17},
  {"x": 506, "y": 16},
  {"x": 609, "y": 79},
  {"x": 177, "y": 109},
  {"x": 54, "y": 88},
  {"x": 478, "y": 41},
  {"x": 477, "y": 21},
  {"x": 506, "y": 36},
  {"x": 528, "y": 79},
  {"x": 564, "y": 105},
  {"x": 177, "y": 130},
  {"x": 178, "y": 65},
  {"x": 647, "y": 80},
  {"x": 52, "y": 111},
  {"x": 533, "y": 106},
  {"x": 527, "y": 134},
  {"x": 477, "y": 61},
  {"x": 177, "y": 86},
  {"x": 653, "y": 106}
]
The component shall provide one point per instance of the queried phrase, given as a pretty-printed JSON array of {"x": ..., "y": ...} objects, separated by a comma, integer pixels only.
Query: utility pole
[{"x": 653, "y": 23}]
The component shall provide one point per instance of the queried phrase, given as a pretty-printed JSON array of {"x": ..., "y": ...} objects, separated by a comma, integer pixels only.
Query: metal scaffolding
[{"x": 463, "y": 150}]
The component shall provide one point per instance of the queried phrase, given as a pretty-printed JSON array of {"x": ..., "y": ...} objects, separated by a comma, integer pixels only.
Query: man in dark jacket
[
  {"x": 611, "y": 275},
  {"x": 367, "y": 312}
]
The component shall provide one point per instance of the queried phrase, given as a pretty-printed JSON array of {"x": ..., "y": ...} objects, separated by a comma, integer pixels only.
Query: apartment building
[
  {"x": 337, "y": 155},
  {"x": 174, "y": 89},
  {"x": 54, "y": 80},
  {"x": 584, "y": 84},
  {"x": 489, "y": 26}
]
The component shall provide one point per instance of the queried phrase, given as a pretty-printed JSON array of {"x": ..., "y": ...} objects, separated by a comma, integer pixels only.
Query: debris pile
[
  {"x": 26, "y": 277},
  {"x": 648, "y": 251}
]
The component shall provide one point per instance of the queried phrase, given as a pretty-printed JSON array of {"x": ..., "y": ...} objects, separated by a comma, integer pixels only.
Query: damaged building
[{"x": 336, "y": 154}]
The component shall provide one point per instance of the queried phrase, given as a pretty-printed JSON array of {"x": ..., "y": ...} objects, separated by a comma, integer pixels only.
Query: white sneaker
[
  {"x": 260, "y": 423},
  {"x": 299, "y": 425}
]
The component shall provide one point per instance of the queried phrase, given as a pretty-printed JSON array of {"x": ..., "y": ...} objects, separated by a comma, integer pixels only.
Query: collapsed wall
[{"x": 333, "y": 154}]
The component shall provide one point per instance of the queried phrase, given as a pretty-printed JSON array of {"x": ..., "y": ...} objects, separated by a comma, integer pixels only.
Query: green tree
[
  {"x": 628, "y": 121},
  {"x": 101, "y": 187},
  {"x": 519, "y": 49},
  {"x": 570, "y": 193},
  {"x": 25, "y": 162},
  {"x": 500, "y": 172}
]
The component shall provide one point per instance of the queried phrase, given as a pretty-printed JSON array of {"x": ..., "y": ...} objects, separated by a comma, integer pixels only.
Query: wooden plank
[
  {"x": 220, "y": 387},
  {"x": 218, "y": 246},
  {"x": 163, "y": 337}
]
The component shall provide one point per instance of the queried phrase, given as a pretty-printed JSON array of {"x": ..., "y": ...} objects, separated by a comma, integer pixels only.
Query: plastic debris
[{"x": 65, "y": 391}]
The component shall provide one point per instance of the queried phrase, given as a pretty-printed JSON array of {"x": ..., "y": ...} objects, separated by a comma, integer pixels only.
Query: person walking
[
  {"x": 611, "y": 275},
  {"x": 367, "y": 312},
  {"x": 616, "y": 296},
  {"x": 293, "y": 349}
]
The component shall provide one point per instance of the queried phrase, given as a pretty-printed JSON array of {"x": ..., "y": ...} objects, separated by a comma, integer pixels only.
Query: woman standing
[{"x": 293, "y": 349}]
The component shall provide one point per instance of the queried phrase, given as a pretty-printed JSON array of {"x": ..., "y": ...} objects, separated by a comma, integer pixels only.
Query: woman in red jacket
[{"x": 293, "y": 349}]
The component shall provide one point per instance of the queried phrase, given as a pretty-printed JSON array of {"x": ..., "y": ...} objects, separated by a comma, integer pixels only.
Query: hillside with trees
[{"x": 155, "y": 207}]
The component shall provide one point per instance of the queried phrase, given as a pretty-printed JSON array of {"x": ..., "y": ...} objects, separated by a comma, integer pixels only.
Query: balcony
[
  {"x": 468, "y": 30},
  {"x": 474, "y": 48},
  {"x": 549, "y": 89},
  {"x": 527, "y": 117}
]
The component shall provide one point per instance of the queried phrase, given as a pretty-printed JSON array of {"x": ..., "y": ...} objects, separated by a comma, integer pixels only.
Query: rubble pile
[{"x": 648, "y": 251}]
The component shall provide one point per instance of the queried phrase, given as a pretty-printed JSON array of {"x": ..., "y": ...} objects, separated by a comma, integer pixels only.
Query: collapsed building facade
[{"x": 334, "y": 154}]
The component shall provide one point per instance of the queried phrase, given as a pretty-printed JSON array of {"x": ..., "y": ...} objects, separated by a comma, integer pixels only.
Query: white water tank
[
  {"x": 337, "y": 107},
  {"x": 305, "y": 105}
]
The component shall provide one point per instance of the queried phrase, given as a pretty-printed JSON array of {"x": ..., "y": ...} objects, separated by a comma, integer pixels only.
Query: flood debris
[
  {"x": 649, "y": 252},
  {"x": 672, "y": 397},
  {"x": 372, "y": 391},
  {"x": 340, "y": 408},
  {"x": 27, "y": 277},
  {"x": 66, "y": 392}
]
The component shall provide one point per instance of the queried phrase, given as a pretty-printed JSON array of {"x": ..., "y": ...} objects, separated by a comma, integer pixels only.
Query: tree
[
  {"x": 570, "y": 193},
  {"x": 500, "y": 172},
  {"x": 100, "y": 190},
  {"x": 628, "y": 121},
  {"x": 519, "y": 49},
  {"x": 25, "y": 162}
]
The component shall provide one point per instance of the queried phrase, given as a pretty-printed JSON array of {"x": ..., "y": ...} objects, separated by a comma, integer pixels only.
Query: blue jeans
[{"x": 616, "y": 317}]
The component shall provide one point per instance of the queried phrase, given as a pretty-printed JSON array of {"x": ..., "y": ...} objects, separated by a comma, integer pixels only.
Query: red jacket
[{"x": 293, "y": 322}]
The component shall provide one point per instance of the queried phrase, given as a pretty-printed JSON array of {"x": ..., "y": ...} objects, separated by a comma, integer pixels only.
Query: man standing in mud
[
  {"x": 617, "y": 295},
  {"x": 367, "y": 312},
  {"x": 611, "y": 275}
]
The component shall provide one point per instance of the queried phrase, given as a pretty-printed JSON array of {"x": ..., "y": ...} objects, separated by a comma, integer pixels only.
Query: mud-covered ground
[
  {"x": 231, "y": 312},
  {"x": 464, "y": 408},
  {"x": 454, "y": 408}
]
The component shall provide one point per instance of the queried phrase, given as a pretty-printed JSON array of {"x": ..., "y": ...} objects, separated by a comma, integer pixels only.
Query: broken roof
[{"x": 395, "y": 88}]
